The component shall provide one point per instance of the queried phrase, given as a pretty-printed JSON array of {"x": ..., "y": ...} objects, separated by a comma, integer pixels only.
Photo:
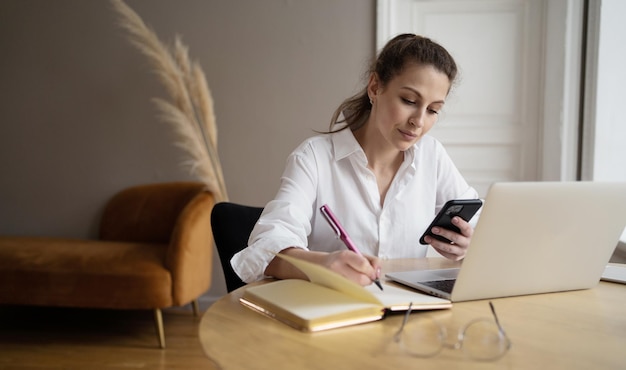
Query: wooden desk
[{"x": 583, "y": 329}]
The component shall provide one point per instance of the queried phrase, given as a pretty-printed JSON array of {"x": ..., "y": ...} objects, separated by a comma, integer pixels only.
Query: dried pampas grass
[{"x": 191, "y": 111}]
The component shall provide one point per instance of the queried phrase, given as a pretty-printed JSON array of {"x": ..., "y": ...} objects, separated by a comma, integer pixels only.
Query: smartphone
[{"x": 464, "y": 208}]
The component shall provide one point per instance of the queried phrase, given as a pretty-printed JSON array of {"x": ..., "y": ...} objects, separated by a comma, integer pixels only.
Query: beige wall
[{"x": 77, "y": 123}]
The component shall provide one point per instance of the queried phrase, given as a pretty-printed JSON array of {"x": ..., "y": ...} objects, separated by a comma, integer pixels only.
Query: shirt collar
[
  {"x": 409, "y": 154},
  {"x": 345, "y": 144}
]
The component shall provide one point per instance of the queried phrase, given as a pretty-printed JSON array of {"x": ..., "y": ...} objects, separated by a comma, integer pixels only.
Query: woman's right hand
[{"x": 362, "y": 270}]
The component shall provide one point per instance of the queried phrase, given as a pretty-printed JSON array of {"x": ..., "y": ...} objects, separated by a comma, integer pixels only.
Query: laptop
[{"x": 533, "y": 237}]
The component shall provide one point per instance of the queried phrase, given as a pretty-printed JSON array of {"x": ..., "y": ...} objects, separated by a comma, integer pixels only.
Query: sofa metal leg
[
  {"x": 158, "y": 320},
  {"x": 196, "y": 307}
]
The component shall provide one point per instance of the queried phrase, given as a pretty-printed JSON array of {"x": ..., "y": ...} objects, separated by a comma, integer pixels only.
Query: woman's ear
[{"x": 373, "y": 86}]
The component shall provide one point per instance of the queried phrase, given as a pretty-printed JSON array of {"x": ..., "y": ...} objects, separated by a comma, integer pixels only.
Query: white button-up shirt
[{"x": 332, "y": 169}]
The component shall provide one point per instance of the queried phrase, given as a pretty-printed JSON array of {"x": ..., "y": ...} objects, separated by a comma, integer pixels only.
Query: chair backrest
[{"x": 232, "y": 224}]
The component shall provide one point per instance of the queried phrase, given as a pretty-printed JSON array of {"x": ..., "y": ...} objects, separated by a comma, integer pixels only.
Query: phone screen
[{"x": 464, "y": 208}]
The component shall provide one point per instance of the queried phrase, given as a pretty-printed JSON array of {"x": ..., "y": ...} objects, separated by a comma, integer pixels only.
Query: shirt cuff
[{"x": 251, "y": 262}]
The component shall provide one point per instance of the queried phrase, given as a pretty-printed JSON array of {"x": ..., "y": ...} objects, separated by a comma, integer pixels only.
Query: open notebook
[
  {"x": 533, "y": 237},
  {"x": 330, "y": 301}
]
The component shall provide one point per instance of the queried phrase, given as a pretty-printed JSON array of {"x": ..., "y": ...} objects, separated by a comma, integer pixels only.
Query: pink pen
[{"x": 342, "y": 234}]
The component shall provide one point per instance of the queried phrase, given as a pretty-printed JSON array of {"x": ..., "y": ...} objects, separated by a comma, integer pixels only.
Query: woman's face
[{"x": 407, "y": 108}]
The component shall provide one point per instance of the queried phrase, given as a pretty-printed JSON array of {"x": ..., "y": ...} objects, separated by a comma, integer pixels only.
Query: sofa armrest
[
  {"x": 190, "y": 254},
  {"x": 147, "y": 213}
]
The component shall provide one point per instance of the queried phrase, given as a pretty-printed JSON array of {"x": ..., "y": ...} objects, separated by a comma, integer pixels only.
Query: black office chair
[{"x": 232, "y": 224}]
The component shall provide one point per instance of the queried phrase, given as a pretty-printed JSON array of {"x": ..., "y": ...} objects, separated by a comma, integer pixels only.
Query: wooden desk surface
[{"x": 583, "y": 329}]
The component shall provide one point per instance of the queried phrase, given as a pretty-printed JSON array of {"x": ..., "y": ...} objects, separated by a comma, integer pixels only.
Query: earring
[{"x": 371, "y": 102}]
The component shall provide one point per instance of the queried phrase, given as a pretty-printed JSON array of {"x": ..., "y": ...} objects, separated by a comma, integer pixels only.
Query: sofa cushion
[{"x": 83, "y": 273}]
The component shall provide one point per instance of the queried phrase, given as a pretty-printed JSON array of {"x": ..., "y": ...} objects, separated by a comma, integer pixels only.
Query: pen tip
[{"x": 377, "y": 282}]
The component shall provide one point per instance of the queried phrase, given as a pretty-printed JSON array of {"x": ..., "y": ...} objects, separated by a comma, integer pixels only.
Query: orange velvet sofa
[{"x": 154, "y": 251}]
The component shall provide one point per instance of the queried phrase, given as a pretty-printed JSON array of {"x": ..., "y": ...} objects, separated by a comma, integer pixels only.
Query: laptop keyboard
[{"x": 443, "y": 285}]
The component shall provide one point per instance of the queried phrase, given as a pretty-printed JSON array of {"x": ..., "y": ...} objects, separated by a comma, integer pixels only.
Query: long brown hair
[{"x": 402, "y": 49}]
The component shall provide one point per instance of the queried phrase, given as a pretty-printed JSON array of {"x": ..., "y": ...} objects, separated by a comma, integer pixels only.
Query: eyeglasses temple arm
[
  {"x": 396, "y": 337},
  {"x": 495, "y": 316}
]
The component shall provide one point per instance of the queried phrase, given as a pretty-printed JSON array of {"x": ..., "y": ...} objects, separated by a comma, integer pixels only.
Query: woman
[{"x": 383, "y": 177}]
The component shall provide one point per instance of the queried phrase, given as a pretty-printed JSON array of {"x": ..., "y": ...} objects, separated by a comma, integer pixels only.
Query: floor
[{"x": 68, "y": 338}]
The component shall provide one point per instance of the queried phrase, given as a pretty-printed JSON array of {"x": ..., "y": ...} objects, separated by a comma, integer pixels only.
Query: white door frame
[{"x": 562, "y": 89}]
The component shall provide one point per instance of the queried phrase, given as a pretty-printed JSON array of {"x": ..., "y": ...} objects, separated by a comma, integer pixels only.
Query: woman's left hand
[{"x": 460, "y": 241}]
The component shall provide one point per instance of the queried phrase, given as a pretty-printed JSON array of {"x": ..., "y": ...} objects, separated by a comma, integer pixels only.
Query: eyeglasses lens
[
  {"x": 423, "y": 337},
  {"x": 481, "y": 340}
]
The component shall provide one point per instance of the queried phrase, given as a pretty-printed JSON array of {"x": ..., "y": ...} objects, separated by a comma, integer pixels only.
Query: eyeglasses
[{"x": 481, "y": 339}]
